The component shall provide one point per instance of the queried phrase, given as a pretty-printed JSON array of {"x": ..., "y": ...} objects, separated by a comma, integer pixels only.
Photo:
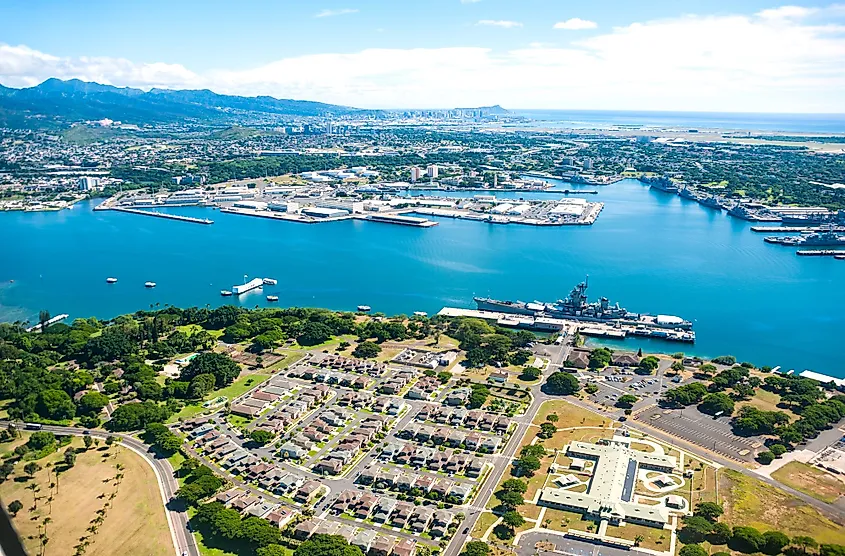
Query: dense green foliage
[
  {"x": 327, "y": 545},
  {"x": 562, "y": 383}
]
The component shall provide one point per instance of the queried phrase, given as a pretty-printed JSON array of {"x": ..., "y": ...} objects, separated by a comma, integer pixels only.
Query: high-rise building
[
  {"x": 431, "y": 171},
  {"x": 588, "y": 164},
  {"x": 415, "y": 174},
  {"x": 87, "y": 183}
]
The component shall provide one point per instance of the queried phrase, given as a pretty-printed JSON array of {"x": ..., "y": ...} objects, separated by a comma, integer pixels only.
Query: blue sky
[{"x": 679, "y": 55}]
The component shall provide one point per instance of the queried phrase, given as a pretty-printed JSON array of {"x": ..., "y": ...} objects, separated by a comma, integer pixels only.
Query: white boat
[
  {"x": 149, "y": 284},
  {"x": 270, "y": 281},
  {"x": 364, "y": 308},
  {"x": 420, "y": 314},
  {"x": 272, "y": 298},
  {"x": 225, "y": 293},
  {"x": 111, "y": 280}
]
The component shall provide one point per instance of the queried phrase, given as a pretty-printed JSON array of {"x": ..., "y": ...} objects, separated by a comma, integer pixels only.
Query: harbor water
[{"x": 650, "y": 251}]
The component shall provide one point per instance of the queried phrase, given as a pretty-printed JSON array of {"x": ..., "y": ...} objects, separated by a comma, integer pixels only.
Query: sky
[{"x": 681, "y": 55}]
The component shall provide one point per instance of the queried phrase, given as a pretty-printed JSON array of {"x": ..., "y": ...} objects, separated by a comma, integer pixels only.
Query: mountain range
[{"x": 56, "y": 102}]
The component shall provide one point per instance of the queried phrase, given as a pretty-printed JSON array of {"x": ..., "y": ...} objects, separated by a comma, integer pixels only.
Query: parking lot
[
  {"x": 702, "y": 430},
  {"x": 615, "y": 383}
]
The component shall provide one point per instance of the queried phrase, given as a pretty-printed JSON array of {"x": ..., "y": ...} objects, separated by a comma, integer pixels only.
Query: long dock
[
  {"x": 54, "y": 320},
  {"x": 164, "y": 215},
  {"x": 821, "y": 252},
  {"x": 794, "y": 229}
]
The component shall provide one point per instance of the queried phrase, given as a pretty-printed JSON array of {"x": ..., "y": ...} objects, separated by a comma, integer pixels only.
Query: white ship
[
  {"x": 149, "y": 284},
  {"x": 272, "y": 298},
  {"x": 111, "y": 280},
  {"x": 270, "y": 281},
  {"x": 364, "y": 308},
  {"x": 225, "y": 293}
]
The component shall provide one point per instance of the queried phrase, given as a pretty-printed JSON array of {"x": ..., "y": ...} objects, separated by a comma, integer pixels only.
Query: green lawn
[{"x": 240, "y": 386}]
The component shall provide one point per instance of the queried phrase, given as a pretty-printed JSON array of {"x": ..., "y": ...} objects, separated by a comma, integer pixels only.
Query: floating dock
[
  {"x": 164, "y": 215},
  {"x": 795, "y": 229}
]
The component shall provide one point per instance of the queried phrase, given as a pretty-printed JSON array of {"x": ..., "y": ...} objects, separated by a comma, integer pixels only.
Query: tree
[
  {"x": 314, "y": 333},
  {"x": 31, "y": 468},
  {"x": 519, "y": 357},
  {"x": 677, "y": 366},
  {"x": 547, "y": 430},
  {"x": 717, "y": 403},
  {"x": 88, "y": 441},
  {"x": 515, "y": 485},
  {"x": 55, "y": 404},
  {"x": 720, "y": 534},
  {"x": 40, "y": 440},
  {"x": 692, "y": 550},
  {"x": 562, "y": 383},
  {"x": 134, "y": 416},
  {"x": 774, "y": 542},
  {"x": 220, "y": 365},
  {"x": 476, "y": 548},
  {"x": 724, "y": 360},
  {"x": 711, "y": 511},
  {"x": 626, "y": 401},
  {"x": 327, "y": 545},
  {"x": 259, "y": 532},
  {"x": 530, "y": 373},
  {"x": 746, "y": 539},
  {"x": 14, "y": 507},
  {"x": 201, "y": 385},
  {"x": 804, "y": 542},
  {"x": 160, "y": 436},
  {"x": 695, "y": 530},
  {"x": 512, "y": 519},
  {"x": 366, "y": 350},
  {"x": 272, "y": 550},
  {"x": 687, "y": 394},
  {"x": 648, "y": 365},
  {"x": 600, "y": 358},
  {"x": 777, "y": 449},
  {"x": 831, "y": 550},
  {"x": 526, "y": 465},
  {"x": 765, "y": 457},
  {"x": 510, "y": 499},
  {"x": 70, "y": 457},
  {"x": 92, "y": 403},
  {"x": 261, "y": 436}
]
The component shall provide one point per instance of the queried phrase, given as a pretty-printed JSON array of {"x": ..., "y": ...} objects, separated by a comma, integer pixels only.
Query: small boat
[
  {"x": 270, "y": 281},
  {"x": 272, "y": 298},
  {"x": 420, "y": 314},
  {"x": 149, "y": 284},
  {"x": 225, "y": 293},
  {"x": 364, "y": 308},
  {"x": 111, "y": 280},
  {"x": 839, "y": 257}
]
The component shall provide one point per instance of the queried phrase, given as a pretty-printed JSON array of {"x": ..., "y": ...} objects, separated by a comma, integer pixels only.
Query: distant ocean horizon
[{"x": 602, "y": 119}]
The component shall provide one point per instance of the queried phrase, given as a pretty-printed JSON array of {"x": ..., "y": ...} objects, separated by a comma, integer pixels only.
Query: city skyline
[{"x": 748, "y": 57}]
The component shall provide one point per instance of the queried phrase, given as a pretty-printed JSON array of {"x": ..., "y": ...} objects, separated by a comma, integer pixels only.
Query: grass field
[
  {"x": 134, "y": 522},
  {"x": 245, "y": 383},
  {"x": 562, "y": 520},
  {"x": 810, "y": 480},
  {"x": 570, "y": 415},
  {"x": 484, "y": 522},
  {"x": 651, "y": 536},
  {"x": 765, "y": 401},
  {"x": 748, "y": 501}
]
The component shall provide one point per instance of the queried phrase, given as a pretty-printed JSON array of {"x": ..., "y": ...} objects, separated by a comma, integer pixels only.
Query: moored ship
[
  {"x": 662, "y": 183},
  {"x": 576, "y": 307},
  {"x": 710, "y": 201}
]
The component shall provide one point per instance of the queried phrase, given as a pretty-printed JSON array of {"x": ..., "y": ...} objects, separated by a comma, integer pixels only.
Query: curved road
[{"x": 183, "y": 540}]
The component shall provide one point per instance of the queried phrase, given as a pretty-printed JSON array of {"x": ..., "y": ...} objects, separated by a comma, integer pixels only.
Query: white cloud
[
  {"x": 332, "y": 13},
  {"x": 786, "y": 12},
  {"x": 499, "y": 23},
  {"x": 470, "y": 1},
  {"x": 747, "y": 63},
  {"x": 575, "y": 24}
]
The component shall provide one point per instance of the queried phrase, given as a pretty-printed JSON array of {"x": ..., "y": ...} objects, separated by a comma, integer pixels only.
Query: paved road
[
  {"x": 565, "y": 545},
  {"x": 183, "y": 539}
]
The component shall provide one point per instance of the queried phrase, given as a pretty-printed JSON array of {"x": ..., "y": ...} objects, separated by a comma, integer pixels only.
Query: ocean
[
  {"x": 603, "y": 119},
  {"x": 650, "y": 251}
]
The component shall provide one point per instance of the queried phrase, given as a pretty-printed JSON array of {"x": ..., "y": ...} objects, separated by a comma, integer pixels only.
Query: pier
[
  {"x": 796, "y": 229},
  {"x": 164, "y": 215},
  {"x": 401, "y": 220},
  {"x": 821, "y": 252},
  {"x": 54, "y": 320}
]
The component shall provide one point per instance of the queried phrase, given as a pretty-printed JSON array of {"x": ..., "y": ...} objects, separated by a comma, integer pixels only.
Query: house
[
  {"x": 261, "y": 509},
  {"x": 405, "y": 481},
  {"x": 475, "y": 467},
  {"x": 421, "y": 456},
  {"x": 384, "y": 509},
  {"x": 441, "y": 435},
  {"x": 229, "y": 495},
  {"x": 624, "y": 360},
  {"x": 490, "y": 444},
  {"x": 289, "y": 482},
  {"x": 365, "y": 505},
  {"x": 368, "y": 476},
  {"x": 390, "y": 450},
  {"x": 500, "y": 377},
  {"x": 344, "y": 501},
  {"x": 405, "y": 547},
  {"x": 243, "y": 503},
  {"x": 424, "y": 482},
  {"x": 578, "y": 359},
  {"x": 306, "y": 492},
  {"x": 502, "y": 425},
  {"x": 265, "y": 396},
  {"x": 442, "y": 487},
  {"x": 406, "y": 454},
  {"x": 458, "y": 396},
  {"x": 486, "y": 422},
  {"x": 382, "y": 546},
  {"x": 459, "y": 493},
  {"x": 472, "y": 419},
  {"x": 424, "y": 433},
  {"x": 456, "y": 463},
  {"x": 244, "y": 410},
  {"x": 401, "y": 514},
  {"x": 420, "y": 519},
  {"x": 439, "y": 460},
  {"x": 292, "y": 451},
  {"x": 364, "y": 539},
  {"x": 280, "y": 516},
  {"x": 440, "y": 523},
  {"x": 456, "y": 438},
  {"x": 305, "y": 529},
  {"x": 328, "y": 466},
  {"x": 473, "y": 441},
  {"x": 387, "y": 479}
]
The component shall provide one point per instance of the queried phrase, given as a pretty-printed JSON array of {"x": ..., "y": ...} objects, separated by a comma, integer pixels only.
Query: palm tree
[
  {"x": 638, "y": 539},
  {"x": 43, "y": 317}
]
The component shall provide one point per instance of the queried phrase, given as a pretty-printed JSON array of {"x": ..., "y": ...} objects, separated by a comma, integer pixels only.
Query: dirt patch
[
  {"x": 810, "y": 480},
  {"x": 570, "y": 415}
]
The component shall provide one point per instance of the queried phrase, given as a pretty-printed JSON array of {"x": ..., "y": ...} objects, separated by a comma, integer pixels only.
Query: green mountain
[{"x": 57, "y": 102}]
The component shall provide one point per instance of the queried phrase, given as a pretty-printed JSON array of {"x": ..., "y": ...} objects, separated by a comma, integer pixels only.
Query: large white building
[
  {"x": 416, "y": 173},
  {"x": 87, "y": 183},
  {"x": 431, "y": 171},
  {"x": 610, "y": 493}
]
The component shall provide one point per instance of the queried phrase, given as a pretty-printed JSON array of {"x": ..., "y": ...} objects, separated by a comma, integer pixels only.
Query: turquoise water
[{"x": 650, "y": 251}]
